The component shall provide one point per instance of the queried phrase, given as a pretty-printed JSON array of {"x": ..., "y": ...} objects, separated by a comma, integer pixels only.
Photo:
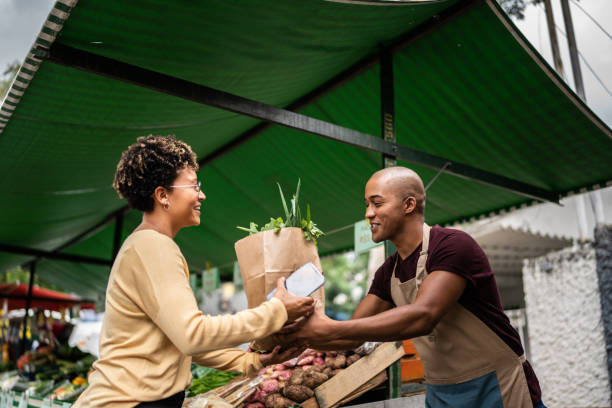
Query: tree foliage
[
  {"x": 7, "y": 77},
  {"x": 516, "y": 8},
  {"x": 346, "y": 277}
]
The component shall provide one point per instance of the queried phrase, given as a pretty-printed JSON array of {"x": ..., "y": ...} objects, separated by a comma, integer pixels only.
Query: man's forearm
[
  {"x": 397, "y": 324},
  {"x": 336, "y": 345}
]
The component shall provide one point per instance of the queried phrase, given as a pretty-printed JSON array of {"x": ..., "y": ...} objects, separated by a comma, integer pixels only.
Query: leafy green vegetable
[
  {"x": 210, "y": 381},
  {"x": 293, "y": 218}
]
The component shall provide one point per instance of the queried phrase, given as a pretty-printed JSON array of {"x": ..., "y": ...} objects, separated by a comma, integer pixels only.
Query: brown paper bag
[{"x": 267, "y": 256}]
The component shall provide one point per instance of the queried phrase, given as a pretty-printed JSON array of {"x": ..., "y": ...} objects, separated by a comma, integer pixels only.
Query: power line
[
  {"x": 587, "y": 64},
  {"x": 582, "y": 57},
  {"x": 592, "y": 19}
]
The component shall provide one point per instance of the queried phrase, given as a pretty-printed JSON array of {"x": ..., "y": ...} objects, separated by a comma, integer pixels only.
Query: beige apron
[{"x": 461, "y": 347}]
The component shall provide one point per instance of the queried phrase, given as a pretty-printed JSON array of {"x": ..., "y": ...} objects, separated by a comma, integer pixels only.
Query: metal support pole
[
  {"x": 27, "y": 308},
  {"x": 387, "y": 104},
  {"x": 118, "y": 235},
  {"x": 573, "y": 49},
  {"x": 552, "y": 33}
]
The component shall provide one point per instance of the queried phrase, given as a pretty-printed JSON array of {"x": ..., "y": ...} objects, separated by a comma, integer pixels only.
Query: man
[{"x": 438, "y": 288}]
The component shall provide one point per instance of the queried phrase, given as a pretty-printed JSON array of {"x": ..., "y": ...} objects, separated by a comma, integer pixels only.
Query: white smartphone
[{"x": 303, "y": 281}]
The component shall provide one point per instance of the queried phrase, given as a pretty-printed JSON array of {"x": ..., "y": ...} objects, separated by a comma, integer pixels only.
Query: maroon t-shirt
[{"x": 455, "y": 251}]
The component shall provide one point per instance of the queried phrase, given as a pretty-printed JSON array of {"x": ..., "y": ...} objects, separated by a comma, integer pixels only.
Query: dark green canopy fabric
[{"x": 470, "y": 90}]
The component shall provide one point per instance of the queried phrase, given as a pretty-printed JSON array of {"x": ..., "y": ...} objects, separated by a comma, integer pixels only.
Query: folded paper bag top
[{"x": 267, "y": 256}]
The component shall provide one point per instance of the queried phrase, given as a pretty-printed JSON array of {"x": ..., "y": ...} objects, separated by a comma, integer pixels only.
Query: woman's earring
[{"x": 167, "y": 205}]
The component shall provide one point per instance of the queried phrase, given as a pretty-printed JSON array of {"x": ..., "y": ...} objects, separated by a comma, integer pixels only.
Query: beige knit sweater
[{"x": 153, "y": 329}]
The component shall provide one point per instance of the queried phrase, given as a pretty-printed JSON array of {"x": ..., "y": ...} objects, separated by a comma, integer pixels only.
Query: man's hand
[
  {"x": 296, "y": 306},
  {"x": 317, "y": 328},
  {"x": 277, "y": 357}
]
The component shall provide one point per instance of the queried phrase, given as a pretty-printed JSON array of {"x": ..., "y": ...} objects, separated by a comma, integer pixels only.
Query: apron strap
[
  {"x": 522, "y": 358},
  {"x": 421, "y": 271}
]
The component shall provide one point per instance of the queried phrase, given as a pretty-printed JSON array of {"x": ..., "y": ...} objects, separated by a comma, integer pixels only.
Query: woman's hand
[
  {"x": 296, "y": 306},
  {"x": 277, "y": 357}
]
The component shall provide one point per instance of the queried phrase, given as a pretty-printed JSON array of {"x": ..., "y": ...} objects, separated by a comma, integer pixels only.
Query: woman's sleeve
[
  {"x": 230, "y": 360},
  {"x": 166, "y": 297}
]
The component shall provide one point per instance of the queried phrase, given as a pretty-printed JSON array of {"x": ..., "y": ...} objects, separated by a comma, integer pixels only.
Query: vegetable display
[
  {"x": 293, "y": 382},
  {"x": 57, "y": 373},
  {"x": 293, "y": 218}
]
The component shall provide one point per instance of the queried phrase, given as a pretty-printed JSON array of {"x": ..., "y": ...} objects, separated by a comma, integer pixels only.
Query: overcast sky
[{"x": 21, "y": 21}]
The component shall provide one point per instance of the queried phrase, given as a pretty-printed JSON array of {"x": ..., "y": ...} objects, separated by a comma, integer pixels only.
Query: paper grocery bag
[{"x": 266, "y": 256}]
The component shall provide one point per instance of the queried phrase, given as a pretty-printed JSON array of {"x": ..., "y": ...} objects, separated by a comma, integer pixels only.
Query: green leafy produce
[
  {"x": 198, "y": 371},
  {"x": 210, "y": 381},
  {"x": 293, "y": 218}
]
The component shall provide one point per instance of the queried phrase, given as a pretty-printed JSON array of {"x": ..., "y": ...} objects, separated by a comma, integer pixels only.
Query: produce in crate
[{"x": 289, "y": 384}]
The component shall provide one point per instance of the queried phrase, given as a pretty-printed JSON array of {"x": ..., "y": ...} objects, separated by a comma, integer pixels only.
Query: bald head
[{"x": 403, "y": 183}]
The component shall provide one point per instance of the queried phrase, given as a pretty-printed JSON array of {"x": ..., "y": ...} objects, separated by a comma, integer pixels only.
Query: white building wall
[{"x": 565, "y": 328}]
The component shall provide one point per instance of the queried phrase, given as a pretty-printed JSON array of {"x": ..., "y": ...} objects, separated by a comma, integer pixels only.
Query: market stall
[
  {"x": 37, "y": 363},
  {"x": 459, "y": 127}
]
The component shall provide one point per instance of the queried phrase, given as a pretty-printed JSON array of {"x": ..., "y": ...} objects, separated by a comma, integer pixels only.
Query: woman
[{"x": 152, "y": 328}]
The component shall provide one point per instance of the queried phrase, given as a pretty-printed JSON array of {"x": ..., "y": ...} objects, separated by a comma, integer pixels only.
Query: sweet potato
[
  {"x": 329, "y": 361},
  {"x": 305, "y": 360},
  {"x": 269, "y": 386},
  {"x": 258, "y": 396},
  {"x": 327, "y": 371},
  {"x": 278, "y": 401},
  {"x": 279, "y": 367},
  {"x": 298, "y": 393},
  {"x": 318, "y": 361},
  {"x": 284, "y": 375},
  {"x": 254, "y": 405},
  {"x": 291, "y": 363}
]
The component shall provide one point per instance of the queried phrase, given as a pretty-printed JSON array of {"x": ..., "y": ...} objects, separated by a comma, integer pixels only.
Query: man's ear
[{"x": 409, "y": 205}]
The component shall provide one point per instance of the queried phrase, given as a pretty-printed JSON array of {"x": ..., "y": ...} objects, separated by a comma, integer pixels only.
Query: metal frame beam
[
  {"x": 40, "y": 254},
  {"x": 117, "y": 70},
  {"x": 354, "y": 70}
]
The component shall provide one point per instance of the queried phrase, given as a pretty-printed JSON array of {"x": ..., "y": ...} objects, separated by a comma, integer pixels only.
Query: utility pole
[
  {"x": 573, "y": 49},
  {"x": 552, "y": 33}
]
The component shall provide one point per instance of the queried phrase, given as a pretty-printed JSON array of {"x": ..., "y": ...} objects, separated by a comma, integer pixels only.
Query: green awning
[{"x": 469, "y": 89}]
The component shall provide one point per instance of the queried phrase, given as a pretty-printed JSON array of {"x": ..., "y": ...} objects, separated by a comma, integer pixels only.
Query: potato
[
  {"x": 312, "y": 379},
  {"x": 278, "y": 401},
  {"x": 352, "y": 358},
  {"x": 339, "y": 362},
  {"x": 297, "y": 377},
  {"x": 298, "y": 393}
]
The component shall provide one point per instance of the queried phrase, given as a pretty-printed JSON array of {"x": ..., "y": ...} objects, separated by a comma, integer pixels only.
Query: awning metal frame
[
  {"x": 108, "y": 67},
  {"x": 67, "y": 56}
]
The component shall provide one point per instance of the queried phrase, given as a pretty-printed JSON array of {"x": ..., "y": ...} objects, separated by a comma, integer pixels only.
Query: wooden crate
[{"x": 363, "y": 375}]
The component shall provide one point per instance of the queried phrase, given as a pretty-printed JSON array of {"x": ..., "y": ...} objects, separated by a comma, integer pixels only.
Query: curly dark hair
[{"x": 151, "y": 162}]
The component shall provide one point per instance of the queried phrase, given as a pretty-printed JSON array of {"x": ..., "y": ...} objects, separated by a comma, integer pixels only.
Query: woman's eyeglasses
[{"x": 196, "y": 187}]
